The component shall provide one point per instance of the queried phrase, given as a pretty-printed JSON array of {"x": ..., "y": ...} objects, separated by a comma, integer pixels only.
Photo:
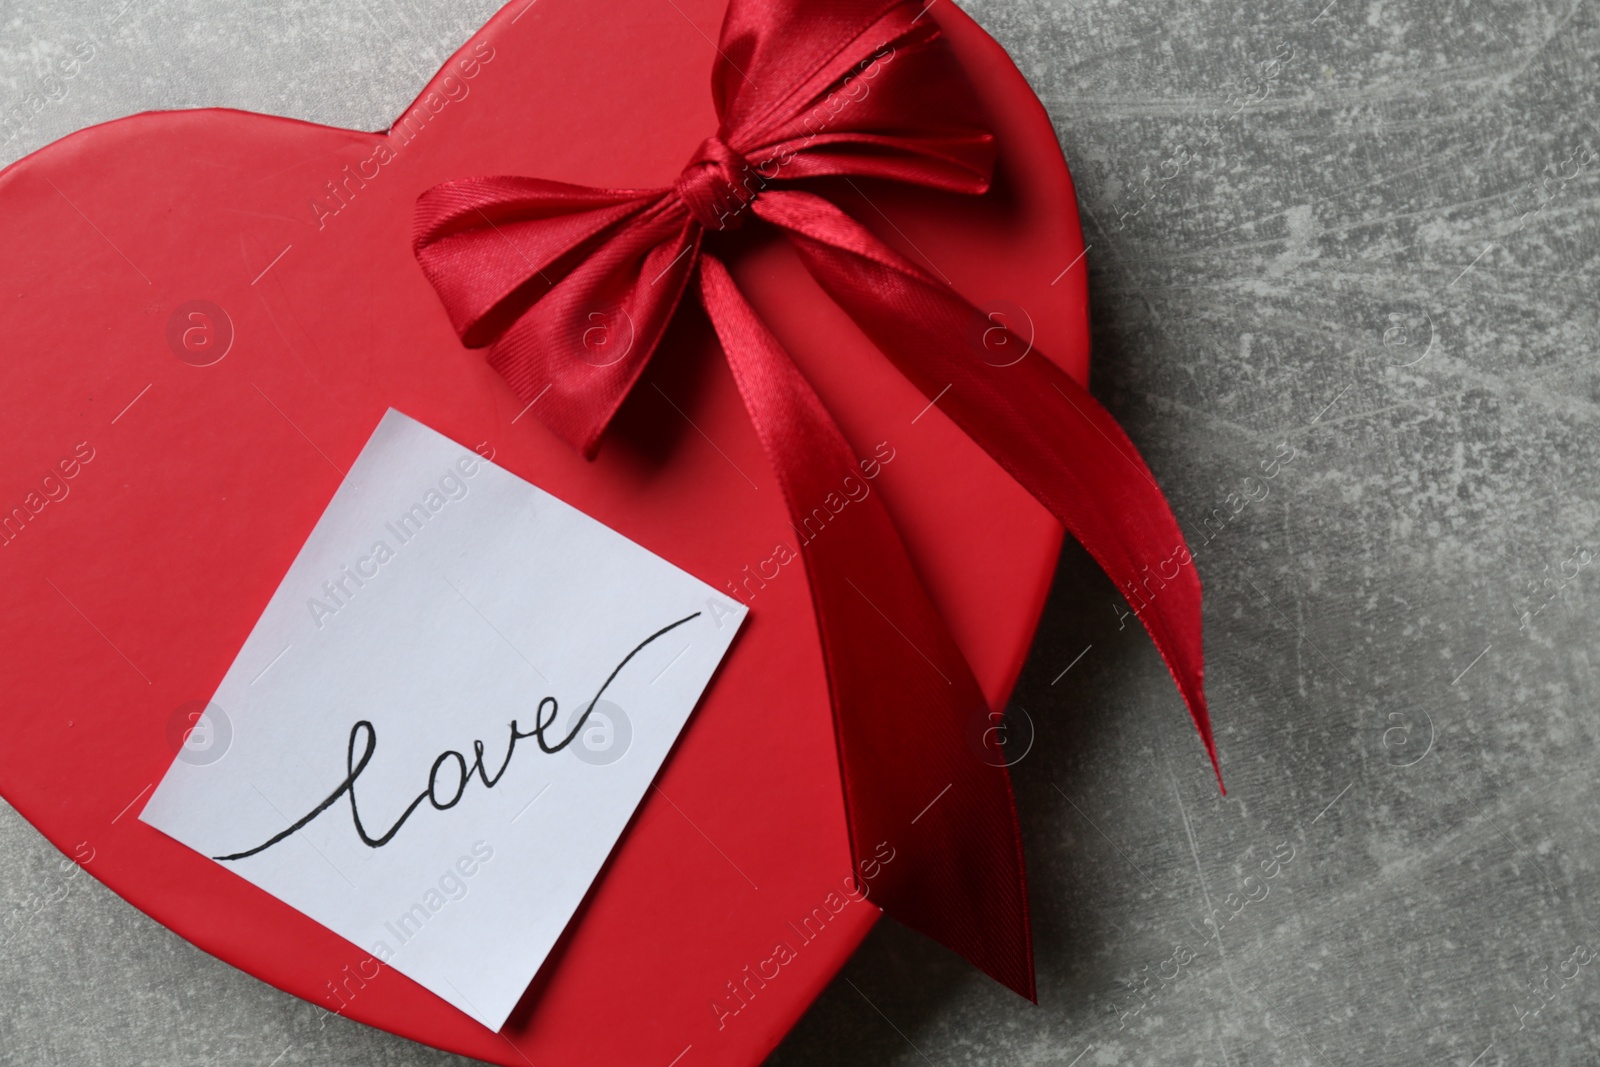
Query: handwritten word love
[{"x": 364, "y": 735}]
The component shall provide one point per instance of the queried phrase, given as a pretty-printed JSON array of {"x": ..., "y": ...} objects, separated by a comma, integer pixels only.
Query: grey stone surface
[{"x": 1361, "y": 234}]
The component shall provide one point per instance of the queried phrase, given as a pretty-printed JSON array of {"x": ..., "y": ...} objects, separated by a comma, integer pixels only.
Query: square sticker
[{"x": 445, "y": 717}]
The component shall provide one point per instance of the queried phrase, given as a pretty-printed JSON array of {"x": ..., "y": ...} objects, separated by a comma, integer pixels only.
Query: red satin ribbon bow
[{"x": 807, "y": 89}]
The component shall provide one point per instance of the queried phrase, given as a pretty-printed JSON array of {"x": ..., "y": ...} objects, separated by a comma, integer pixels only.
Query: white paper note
[{"x": 439, "y": 600}]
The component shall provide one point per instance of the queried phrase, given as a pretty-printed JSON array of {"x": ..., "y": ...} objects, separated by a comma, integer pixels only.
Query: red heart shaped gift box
[{"x": 209, "y": 311}]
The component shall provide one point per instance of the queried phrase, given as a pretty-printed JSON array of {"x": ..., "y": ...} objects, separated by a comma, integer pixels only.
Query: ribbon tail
[
  {"x": 1039, "y": 424},
  {"x": 927, "y": 797}
]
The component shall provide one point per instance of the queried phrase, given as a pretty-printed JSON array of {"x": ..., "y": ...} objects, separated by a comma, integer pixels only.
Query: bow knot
[{"x": 718, "y": 185}]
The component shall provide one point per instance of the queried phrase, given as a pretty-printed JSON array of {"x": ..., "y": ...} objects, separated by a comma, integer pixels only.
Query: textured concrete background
[{"x": 1358, "y": 238}]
